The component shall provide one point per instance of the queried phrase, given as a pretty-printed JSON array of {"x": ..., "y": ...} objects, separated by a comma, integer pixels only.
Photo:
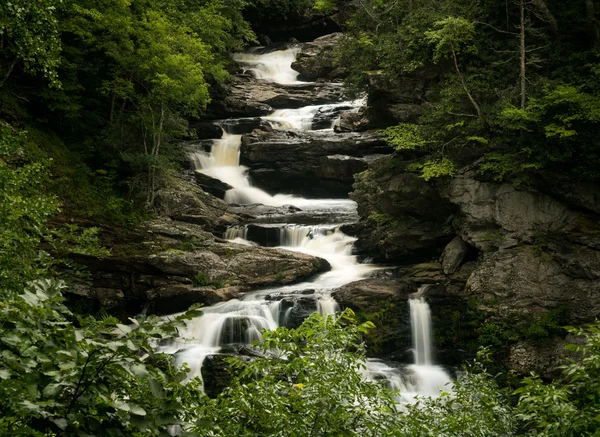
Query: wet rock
[
  {"x": 246, "y": 96},
  {"x": 352, "y": 121},
  {"x": 211, "y": 185},
  {"x": 257, "y": 211},
  {"x": 240, "y": 126},
  {"x": 454, "y": 254},
  {"x": 370, "y": 295},
  {"x": 326, "y": 117},
  {"x": 205, "y": 130},
  {"x": 167, "y": 265},
  {"x": 301, "y": 308},
  {"x": 385, "y": 301},
  {"x": 266, "y": 236},
  {"x": 308, "y": 163},
  {"x": 316, "y": 60}
]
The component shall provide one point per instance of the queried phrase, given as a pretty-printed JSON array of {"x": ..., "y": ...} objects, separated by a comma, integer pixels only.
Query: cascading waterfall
[{"x": 240, "y": 321}]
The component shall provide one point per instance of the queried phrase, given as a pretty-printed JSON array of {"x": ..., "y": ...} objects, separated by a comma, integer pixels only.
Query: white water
[
  {"x": 223, "y": 163},
  {"x": 274, "y": 66},
  {"x": 420, "y": 324},
  {"x": 302, "y": 118}
]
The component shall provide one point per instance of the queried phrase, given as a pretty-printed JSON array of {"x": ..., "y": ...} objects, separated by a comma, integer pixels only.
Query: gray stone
[
  {"x": 316, "y": 59},
  {"x": 169, "y": 265},
  {"x": 211, "y": 185},
  {"x": 453, "y": 256},
  {"x": 245, "y": 96}
]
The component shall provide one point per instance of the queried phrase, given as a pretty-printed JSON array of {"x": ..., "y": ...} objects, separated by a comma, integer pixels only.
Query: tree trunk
[
  {"x": 523, "y": 59},
  {"x": 464, "y": 85}
]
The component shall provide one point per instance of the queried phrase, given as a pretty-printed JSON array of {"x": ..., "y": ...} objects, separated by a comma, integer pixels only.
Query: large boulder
[
  {"x": 316, "y": 59},
  {"x": 403, "y": 217},
  {"x": 453, "y": 256},
  {"x": 352, "y": 121},
  {"x": 167, "y": 265},
  {"x": 183, "y": 200},
  {"x": 308, "y": 163}
]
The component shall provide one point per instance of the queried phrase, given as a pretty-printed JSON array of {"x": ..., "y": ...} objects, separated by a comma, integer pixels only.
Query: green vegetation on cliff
[
  {"x": 105, "y": 88},
  {"x": 517, "y": 82}
]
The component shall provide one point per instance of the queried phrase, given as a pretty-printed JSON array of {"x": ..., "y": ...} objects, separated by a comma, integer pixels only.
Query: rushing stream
[{"x": 240, "y": 321}]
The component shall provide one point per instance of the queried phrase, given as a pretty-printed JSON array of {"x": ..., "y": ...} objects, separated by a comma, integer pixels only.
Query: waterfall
[
  {"x": 420, "y": 323},
  {"x": 275, "y": 66},
  {"x": 241, "y": 321},
  {"x": 234, "y": 232}
]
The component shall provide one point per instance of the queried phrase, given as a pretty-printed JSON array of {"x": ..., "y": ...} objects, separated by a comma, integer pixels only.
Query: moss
[
  {"x": 202, "y": 280},
  {"x": 386, "y": 220}
]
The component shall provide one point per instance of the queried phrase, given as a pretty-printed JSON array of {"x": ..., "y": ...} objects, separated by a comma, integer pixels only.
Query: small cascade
[
  {"x": 275, "y": 66},
  {"x": 237, "y": 233},
  {"x": 304, "y": 118},
  {"x": 420, "y": 323}
]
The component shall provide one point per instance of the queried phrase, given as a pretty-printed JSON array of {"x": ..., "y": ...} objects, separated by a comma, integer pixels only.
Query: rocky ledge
[
  {"x": 312, "y": 163},
  {"x": 245, "y": 96},
  {"x": 169, "y": 263}
]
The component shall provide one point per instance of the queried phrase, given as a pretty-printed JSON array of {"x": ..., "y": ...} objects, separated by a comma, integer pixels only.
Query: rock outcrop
[
  {"x": 403, "y": 217},
  {"x": 316, "y": 59},
  {"x": 308, "y": 163},
  {"x": 245, "y": 96},
  {"x": 523, "y": 257}
]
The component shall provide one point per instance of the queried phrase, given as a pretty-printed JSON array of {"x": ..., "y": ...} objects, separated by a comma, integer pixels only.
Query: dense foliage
[
  {"x": 118, "y": 81},
  {"x": 517, "y": 81}
]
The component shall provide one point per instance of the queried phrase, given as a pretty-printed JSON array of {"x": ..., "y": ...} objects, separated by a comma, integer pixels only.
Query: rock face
[
  {"x": 185, "y": 201},
  {"x": 400, "y": 101},
  {"x": 245, "y": 96},
  {"x": 521, "y": 256},
  {"x": 308, "y": 163},
  {"x": 316, "y": 59},
  {"x": 403, "y": 217},
  {"x": 168, "y": 265}
]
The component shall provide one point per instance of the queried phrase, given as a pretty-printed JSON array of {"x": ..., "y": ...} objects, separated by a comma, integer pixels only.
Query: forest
[{"x": 99, "y": 103}]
